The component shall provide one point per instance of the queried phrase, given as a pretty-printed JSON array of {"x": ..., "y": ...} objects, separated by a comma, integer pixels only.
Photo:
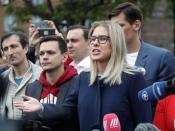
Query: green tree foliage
[{"x": 74, "y": 11}]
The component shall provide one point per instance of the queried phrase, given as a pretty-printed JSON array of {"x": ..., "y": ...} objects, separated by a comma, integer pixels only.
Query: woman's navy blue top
[{"x": 93, "y": 102}]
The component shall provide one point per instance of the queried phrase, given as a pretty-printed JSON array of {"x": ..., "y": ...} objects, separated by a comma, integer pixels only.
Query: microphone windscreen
[
  {"x": 153, "y": 92},
  {"x": 146, "y": 127},
  {"x": 95, "y": 128},
  {"x": 111, "y": 122}
]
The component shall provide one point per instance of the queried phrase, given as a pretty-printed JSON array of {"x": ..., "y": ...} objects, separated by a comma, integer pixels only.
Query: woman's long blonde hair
[{"x": 117, "y": 63}]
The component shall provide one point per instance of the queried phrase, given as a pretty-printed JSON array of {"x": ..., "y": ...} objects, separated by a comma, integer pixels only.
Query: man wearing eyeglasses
[
  {"x": 77, "y": 43},
  {"x": 157, "y": 63}
]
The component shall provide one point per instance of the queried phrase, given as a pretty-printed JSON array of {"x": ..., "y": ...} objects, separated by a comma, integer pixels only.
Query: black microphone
[{"x": 157, "y": 91}]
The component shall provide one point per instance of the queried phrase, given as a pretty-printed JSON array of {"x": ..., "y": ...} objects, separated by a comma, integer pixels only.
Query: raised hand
[
  {"x": 34, "y": 37},
  {"x": 51, "y": 24},
  {"x": 29, "y": 104}
]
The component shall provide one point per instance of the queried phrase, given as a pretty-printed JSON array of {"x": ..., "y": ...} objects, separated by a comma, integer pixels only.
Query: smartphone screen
[{"x": 46, "y": 31}]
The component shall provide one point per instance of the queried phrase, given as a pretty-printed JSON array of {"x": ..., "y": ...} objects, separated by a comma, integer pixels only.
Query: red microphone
[{"x": 111, "y": 122}]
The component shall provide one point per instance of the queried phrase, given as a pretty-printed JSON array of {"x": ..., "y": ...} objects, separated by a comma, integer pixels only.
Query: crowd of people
[{"x": 69, "y": 83}]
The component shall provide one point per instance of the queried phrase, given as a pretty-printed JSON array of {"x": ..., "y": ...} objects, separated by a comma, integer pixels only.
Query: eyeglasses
[{"x": 101, "y": 39}]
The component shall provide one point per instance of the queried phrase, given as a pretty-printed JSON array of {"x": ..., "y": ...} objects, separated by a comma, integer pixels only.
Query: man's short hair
[
  {"x": 22, "y": 38},
  {"x": 61, "y": 42},
  {"x": 130, "y": 10},
  {"x": 84, "y": 29}
]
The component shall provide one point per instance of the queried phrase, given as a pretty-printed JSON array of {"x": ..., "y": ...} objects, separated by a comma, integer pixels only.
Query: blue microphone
[{"x": 157, "y": 91}]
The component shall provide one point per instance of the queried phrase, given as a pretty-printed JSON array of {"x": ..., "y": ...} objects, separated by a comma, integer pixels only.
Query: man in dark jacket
[
  {"x": 156, "y": 64},
  {"x": 54, "y": 83}
]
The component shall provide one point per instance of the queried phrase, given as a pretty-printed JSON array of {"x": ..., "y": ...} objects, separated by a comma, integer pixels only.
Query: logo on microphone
[
  {"x": 145, "y": 95},
  {"x": 105, "y": 124},
  {"x": 113, "y": 123}
]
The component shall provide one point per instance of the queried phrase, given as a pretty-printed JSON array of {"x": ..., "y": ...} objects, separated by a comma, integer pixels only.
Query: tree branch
[
  {"x": 101, "y": 2},
  {"x": 49, "y": 3},
  {"x": 34, "y": 10}
]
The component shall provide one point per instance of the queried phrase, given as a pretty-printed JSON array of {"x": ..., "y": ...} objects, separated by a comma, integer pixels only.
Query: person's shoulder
[
  {"x": 170, "y": 99},
  {"x": 132, "y": 75},
  {"x": 35, "y": 66},
  {"x": 4, "y": 68},
  {"x": 86, "y": 72},
  {"x": 6, "y": 73},
  {"x": 154, "y": 49},
  {"x": 71, "y": 80},
  {"x": 34, "y": 85},
  {"x": 36, "y": 82},
  {"x": 36, "y": 70},
  {"x": 84, "y": 76}
]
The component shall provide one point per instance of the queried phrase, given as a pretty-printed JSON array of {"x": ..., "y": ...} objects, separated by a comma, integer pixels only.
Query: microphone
[
  {"x": 146, "y": 127},
  {"x": 95, "y": 128},
  {"x": 111, "y": 122},
  {"x": 157, "y": 91}
]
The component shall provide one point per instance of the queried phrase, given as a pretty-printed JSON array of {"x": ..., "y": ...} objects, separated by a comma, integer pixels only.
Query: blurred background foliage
[{"x": 69, "y": 12}]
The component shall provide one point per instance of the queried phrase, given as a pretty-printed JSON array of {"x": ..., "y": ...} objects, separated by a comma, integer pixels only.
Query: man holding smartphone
[
  {"x": 36, "y": 31},
  {"x": 44, "y": 29}
]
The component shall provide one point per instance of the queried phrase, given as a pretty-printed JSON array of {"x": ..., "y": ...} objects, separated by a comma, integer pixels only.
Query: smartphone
[
  {"x": 41, "y": 24},
  {"x": 46, "y": 31}
]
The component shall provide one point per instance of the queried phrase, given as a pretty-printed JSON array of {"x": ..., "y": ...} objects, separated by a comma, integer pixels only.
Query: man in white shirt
[{"x": 77, "y": 43}]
